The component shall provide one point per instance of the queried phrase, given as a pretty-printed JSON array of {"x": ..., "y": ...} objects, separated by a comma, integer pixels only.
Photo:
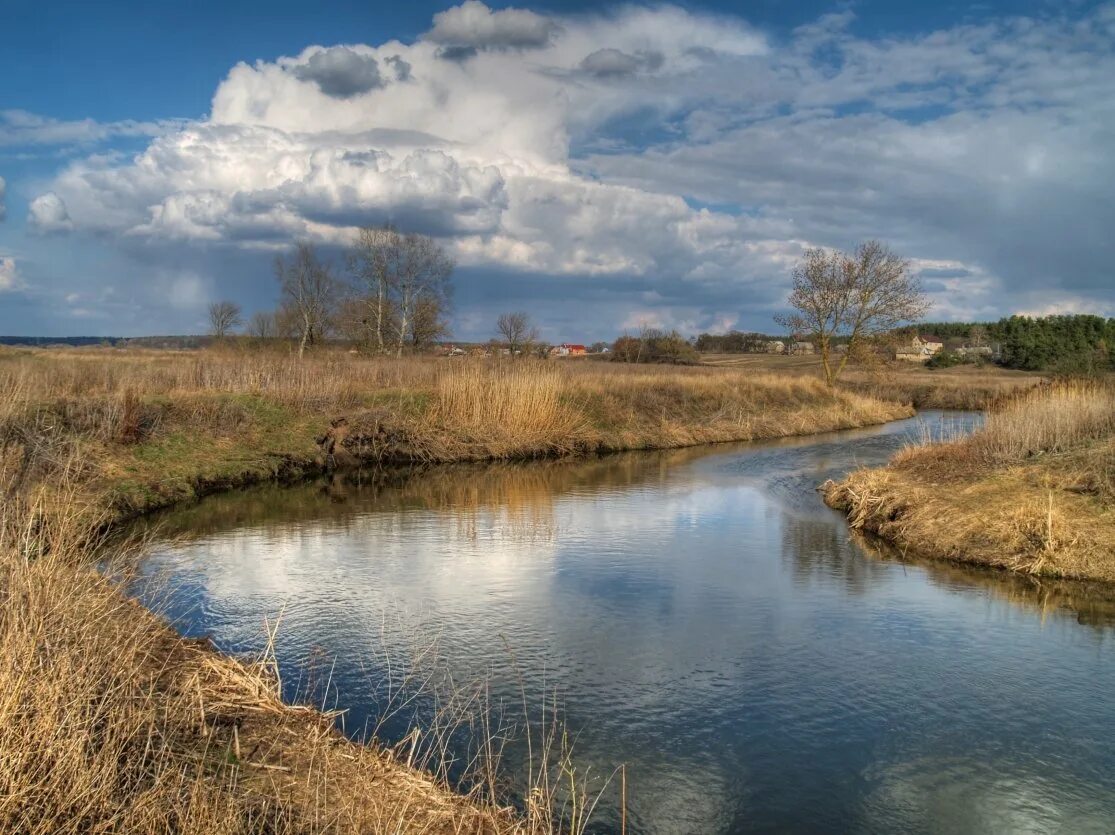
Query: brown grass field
[
  {"x": 111, "y": 722},
  {"x": 961, "y": 387},
  {"x": 1034, "y": 491}
]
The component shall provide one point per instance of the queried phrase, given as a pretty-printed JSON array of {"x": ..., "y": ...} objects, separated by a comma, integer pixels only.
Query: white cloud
[
  {"x": 9, "y": 275},
  {"x": 472, "y": 25},
  {"x": 47, "y": 214},
  {"x": 315, "y": 145},
  {"x": 19, "y": 128},
  {"x": 588, "y": 145}
]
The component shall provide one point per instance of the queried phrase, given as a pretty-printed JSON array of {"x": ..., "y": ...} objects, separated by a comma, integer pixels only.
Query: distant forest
[
  {"x": 178, "y": 342},
  {"x": 1071, "y": 344}
]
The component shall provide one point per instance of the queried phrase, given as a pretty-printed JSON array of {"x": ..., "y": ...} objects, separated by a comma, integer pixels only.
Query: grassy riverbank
[
  {"x": 148, "y": 429},
  {"x": 1034, "y": 491},
  {"x": 110, "y": 722}
]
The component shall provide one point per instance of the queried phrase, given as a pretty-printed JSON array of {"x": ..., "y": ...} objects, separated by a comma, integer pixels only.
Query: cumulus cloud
[
  {"x": 9, "y": 277},
  {"x": 677, "y": 151},
  {"x": 474, "y": 26},
  {"x": 340, "y": 72},
  {"x": 47, "y": 214}
]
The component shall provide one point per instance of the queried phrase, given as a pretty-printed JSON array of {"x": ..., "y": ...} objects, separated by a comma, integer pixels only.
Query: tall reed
[{"x": 1053, "y": 419}]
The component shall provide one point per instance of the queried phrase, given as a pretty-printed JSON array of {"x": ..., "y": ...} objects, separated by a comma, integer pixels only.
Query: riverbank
[
  {"x": 109, "y": 720},
  {"x": 144, "y": 430},
  {"x": 1033, "y": 491}
]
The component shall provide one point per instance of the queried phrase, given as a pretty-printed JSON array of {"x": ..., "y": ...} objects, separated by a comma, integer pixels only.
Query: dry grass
[
  {"x": 110, "y": 722},
  {"x": 153, "y": 428},
  {"x": 1032, "y": 491},
  {"x": 960, "y": 387}
]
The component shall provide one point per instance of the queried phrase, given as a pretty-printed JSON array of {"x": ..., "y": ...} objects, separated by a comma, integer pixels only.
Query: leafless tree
[
  {"x": 262, "y": 325},
  {"x": 402, "y": 282},
  {"x": 428, "y": 323},
  {"x": 309, "y": 293},
  {"x": 977, "y": 336},
  {"x": 224, "y": 317},
  {"x": 373, "y": 265},
  {"x": 859, "y": 295},
  {"x": 518, "y": 331},
  {"x": 422, "y": 286}
]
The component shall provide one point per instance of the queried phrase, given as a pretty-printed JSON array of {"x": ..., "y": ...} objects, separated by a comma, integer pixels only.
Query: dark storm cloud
[
  {"x": 613, "y": 63},
  {"x": 457, "y": 53},
  {"x": 341, "y": 72},
  {"x": 401, "y": 67}
]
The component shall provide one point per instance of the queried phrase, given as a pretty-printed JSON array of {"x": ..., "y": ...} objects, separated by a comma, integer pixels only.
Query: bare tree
[
  {"x": 518, "y": 331},
  {"x": 421, "y": 284},
  {"x": 977, "y": 336},
  {"x": 428, "y": 323},
  {"x": 373, "y": 264},
  {"x": 262, "y": 325},
  {"x": 402, "y": 281},
  {"x": 858, "y": 295},
  {"x": 223, "y": 318},
  {"x": 309, "y": 293}
]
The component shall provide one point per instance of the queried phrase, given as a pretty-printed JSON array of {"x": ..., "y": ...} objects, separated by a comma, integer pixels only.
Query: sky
[{"x": 601, "y": 167}]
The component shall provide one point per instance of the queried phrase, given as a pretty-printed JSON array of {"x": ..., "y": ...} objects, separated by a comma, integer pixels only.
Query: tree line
[{"x": 393, "y": 294}]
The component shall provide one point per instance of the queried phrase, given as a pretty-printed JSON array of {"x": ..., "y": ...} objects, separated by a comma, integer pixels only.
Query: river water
[{"x": 701, "y": 616}]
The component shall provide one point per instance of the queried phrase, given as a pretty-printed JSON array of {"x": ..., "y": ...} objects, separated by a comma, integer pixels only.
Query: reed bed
[{"x": 1032, "y": 491}]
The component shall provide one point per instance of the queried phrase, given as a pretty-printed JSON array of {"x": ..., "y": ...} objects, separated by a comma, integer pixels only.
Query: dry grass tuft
[{"x": 1032, "y": 491}]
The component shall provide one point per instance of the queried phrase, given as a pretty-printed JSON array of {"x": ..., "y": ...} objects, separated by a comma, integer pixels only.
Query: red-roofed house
[{"x": 568, "y": 349}]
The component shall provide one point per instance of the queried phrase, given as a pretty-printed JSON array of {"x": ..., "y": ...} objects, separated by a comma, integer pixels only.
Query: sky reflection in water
[{"x": 704, "y": 618}]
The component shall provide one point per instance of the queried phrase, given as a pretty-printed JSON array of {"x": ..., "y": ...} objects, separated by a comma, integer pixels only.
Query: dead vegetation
[
  {"x": 960, "y": 387},
  {"x": 1032, "y": 491},
  {"x": 154, "y": 428}
]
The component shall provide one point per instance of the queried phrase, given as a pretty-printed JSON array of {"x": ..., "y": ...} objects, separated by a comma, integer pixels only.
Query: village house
[
  {"x": 776, "y": 346},
  {"x": 802, "y": 348},
  {"x": 920, "y": 349},
  {"x": 567, "y": 349}
]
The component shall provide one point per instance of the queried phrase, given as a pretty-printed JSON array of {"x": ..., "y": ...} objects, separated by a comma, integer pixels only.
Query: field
[
  {"x": 1034, "y": 491},
  {"x": 960, "y": 387},
  {"x": 110, "y": 722}
]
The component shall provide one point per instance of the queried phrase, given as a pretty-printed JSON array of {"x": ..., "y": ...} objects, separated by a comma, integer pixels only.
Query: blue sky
[{"x": 602, "y": 167}]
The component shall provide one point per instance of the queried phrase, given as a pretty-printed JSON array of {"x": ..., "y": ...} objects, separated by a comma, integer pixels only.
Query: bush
[
  {"x": 951, "y": 359},
  {"x": 655, "y": 346}
]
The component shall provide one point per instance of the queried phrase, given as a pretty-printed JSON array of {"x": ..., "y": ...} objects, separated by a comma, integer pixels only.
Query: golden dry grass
[
  {"x": 151, "y": 428},
  {"x": 1032, "y": 491},
  {"x": 960, "y": 387}
]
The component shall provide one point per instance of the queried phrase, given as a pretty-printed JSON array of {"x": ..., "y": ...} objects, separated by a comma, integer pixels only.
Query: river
[{"x": 701, "y": 617}]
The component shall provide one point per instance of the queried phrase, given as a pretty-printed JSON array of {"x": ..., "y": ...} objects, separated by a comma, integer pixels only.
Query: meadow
[{"x": 960, "y": 387}]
